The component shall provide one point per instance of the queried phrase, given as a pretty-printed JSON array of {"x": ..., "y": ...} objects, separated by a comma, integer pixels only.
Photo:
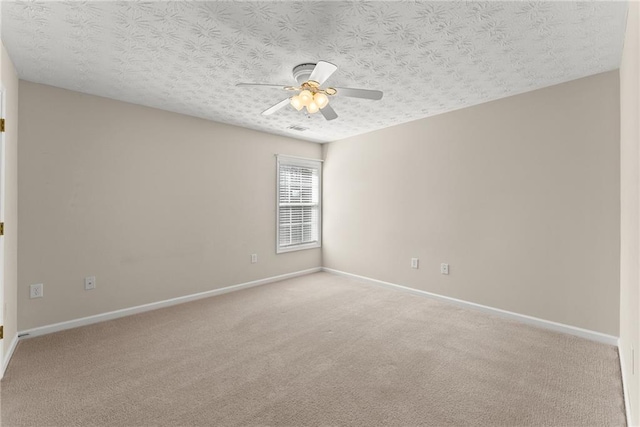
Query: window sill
[{"x": 298, "y": 248}]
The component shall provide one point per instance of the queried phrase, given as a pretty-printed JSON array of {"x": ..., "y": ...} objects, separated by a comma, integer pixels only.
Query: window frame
[{"x": 300, "y": 162}]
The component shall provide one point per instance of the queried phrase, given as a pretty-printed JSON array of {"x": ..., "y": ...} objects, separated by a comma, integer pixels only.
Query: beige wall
[
  {"x": 155, "y": 204},
  {"x": 630, "y": 212},
  {"x": 520, "y": 196},
  {"x": 10, "y": 84}
]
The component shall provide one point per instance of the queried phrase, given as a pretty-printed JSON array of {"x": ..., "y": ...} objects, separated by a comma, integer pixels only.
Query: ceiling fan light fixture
[
  {"x": 309, "y": 92},
  {"x": 305, "y": 97},
  {"x": 312, "y": 107},
  {"x": 321, "y": 99},
  {"x": 296, "y": 103}
]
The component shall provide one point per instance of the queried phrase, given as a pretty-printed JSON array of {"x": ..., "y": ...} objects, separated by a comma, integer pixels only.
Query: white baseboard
[
  {"x": 534, "y": 321},
  {"x": 75, "y": 323},
  {"x": 9, "y": 355},
  {"x": 625, "y": 390}
]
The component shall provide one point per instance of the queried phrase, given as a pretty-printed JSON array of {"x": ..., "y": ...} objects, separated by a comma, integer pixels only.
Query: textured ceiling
[{"x": 427, "y": 57}]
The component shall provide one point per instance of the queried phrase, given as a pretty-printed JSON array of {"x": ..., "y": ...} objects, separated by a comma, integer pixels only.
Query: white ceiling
[{"x": 427, "y": 57}]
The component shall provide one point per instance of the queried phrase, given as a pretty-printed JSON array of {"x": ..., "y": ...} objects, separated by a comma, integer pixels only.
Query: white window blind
[{"x": 299, "y": 211}]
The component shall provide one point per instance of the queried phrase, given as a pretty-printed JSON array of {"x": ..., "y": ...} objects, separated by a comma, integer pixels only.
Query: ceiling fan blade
[
  {"x": 276, "y": 107},
  {"x": 322, "y": 72},
  {"x": 286, "y": 87},
  {"x": 360, "y": 93},
  {"x": 329, "y": 113}
]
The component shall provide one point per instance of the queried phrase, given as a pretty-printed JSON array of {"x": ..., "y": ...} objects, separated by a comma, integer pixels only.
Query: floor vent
[{"x": 297, "y": 128}]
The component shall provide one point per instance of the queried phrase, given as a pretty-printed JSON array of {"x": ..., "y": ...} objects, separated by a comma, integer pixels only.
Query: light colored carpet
[{"x": 315, "y": 350}]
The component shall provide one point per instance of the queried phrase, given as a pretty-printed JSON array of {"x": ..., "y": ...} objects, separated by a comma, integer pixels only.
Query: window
[{"x": 299, "y": 213}]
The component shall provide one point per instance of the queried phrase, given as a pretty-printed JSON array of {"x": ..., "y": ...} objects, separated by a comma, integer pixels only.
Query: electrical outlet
[
  {"x": 254, "y": 258},
  {"x": 444, "y": 268},
  {"x": 89, "y": 283},
  {"x": 36, "y": 291},
  {"x": 415, "y": 262}
]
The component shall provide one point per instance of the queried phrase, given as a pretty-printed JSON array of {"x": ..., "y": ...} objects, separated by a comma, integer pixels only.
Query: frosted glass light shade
[
  {"x": 305, "y": 97},
  {"x": 321, "y": 99},
  {"x": 296, "y": 103},
  {"x": 312, "y": 107}
]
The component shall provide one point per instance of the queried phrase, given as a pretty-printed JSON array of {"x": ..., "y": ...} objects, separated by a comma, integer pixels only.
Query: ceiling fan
[{"x": 309, "y": 93}]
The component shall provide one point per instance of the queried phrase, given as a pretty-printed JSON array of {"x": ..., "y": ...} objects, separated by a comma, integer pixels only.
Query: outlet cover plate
[
  {"x": 444, "y": 268},
  {"x": 36, "y": 291}
]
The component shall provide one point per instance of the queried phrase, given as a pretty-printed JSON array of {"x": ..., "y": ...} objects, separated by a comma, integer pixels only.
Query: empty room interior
[{"x": 307, "y": 213}]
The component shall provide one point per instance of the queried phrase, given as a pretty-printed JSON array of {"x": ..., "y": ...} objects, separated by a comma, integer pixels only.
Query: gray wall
[
  {"x": 521, "y": 196},
  {"x": 630, "y": 215},
  {"x": 155, "y": 204}
]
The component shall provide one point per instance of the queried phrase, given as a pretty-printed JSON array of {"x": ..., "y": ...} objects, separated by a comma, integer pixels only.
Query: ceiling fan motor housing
[{"x": 302, "y": 72}]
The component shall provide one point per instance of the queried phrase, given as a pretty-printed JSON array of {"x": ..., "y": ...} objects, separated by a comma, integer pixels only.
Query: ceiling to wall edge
[{"x": 336, "y": 140}]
